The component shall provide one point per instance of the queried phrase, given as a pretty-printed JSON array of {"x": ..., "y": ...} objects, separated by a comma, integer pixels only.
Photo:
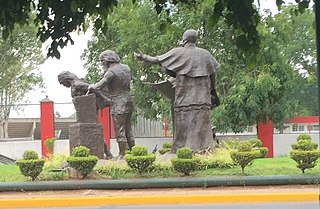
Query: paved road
[{"x": 285, "y": 205}]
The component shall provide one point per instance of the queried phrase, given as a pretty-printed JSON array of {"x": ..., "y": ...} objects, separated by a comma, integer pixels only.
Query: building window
[
  {"x": 250, "y": 129},
  {"x": 298, "y": 128},
  {"x": 301, "y": 128},
  {"x": 314, "y": 128},
  {"x": 294, "y": 127}
]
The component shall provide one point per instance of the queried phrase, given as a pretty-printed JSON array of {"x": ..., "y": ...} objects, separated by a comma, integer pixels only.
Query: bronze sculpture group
[{"x": 193, "y": 71}]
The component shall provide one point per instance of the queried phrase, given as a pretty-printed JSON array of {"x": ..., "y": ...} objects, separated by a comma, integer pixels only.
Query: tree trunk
[
  {"x": 5, "y": 129},
  {"x": 1, "y": 129}
]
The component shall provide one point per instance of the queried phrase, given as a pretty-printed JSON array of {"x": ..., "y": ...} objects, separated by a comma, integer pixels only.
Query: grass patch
[
  {"x": 116, "y": 170},
  {"x": 262, "y": 167},
  {"x": 11, "y": 173}
]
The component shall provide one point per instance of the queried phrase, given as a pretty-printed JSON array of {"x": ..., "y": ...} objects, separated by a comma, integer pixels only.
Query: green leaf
[
  {"x": 74, "y": 6},
  {"x": 98, "y": 23}
]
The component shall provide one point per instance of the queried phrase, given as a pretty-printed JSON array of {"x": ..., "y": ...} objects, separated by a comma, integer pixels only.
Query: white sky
[{"x": 70, "y": 60}]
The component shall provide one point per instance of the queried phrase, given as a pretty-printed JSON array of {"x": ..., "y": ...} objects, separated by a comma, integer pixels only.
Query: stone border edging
[{"x": 161, "y": 183}]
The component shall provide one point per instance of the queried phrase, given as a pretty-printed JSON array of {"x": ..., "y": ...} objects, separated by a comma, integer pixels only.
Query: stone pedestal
[
  {"x": 86, "y": 108},
  {"x": 87, "y": 132},
  {"x": 89, "y": 135}
]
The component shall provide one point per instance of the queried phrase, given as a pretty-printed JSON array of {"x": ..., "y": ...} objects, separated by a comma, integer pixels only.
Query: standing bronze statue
[
  {"x": 117, "y": 80},
  {"x": 194, "y": 69}
]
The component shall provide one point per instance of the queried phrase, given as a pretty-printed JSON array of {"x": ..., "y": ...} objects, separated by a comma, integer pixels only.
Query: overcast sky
[{"x": 70, "y": 60}]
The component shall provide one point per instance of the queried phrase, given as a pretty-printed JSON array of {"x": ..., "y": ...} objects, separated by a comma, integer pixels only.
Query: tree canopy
[
  {"x": 20, "y": 56},
  {"x": 250, "y": 92},
  {"x": 57, "y": 19}
]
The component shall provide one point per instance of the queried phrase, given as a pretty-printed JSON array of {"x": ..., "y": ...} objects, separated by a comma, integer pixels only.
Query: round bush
[
  {"x": 304, "y": 145},
  {"x": 184, "y": 153},
  {"x": 140, "y": 163},
  {"x": 244, "y": 158},
  {"x": 167, "y": 145},
  {"x": 245, "y": 146},
  {"x": 80, "y": 151},
  {"x": 139, "y": 151},
  {"x": 84, "y": 165},
  {"x": 185, "y": 166},
  {"x": 30, "y": 155},
  {"x": 256, "y": 143},
  {"x": 304, "y": 137},
  {"x": 31, "y": 168},
  {"x": 305, "y": 159}
]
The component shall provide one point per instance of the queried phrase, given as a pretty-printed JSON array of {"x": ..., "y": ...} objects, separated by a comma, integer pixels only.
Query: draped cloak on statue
[{"x": 191, "y": 66}]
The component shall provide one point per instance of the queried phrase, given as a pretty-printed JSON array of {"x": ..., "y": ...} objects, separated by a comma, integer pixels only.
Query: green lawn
[
  {"x": 263, "y": 167},
  {"x": 259, "y": 167},
  {"x": 9, "y": 173}
]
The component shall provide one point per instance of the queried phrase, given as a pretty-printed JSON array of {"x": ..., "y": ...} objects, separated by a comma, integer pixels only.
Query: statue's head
[
  {"x": 66, "y": 77},
  {"x": 189, "y": 36},
  {"x": 109, "y": 56}
]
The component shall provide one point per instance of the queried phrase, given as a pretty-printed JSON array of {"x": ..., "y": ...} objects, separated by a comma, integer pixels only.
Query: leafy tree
[
  {"x": 19, "y": 57},
  {"x": 264, "y": 90},
  {"x": 296, "y": 38},
  {"x": 56, "y": 19},
  {"x": 250, "y": 91},
  {"x": 129, "y": 31}
]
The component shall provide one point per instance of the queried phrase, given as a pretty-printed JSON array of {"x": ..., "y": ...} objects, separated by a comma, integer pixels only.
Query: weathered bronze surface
[
  {"x": 193, "y": 69},
  {"x": 116, "y": 79}
]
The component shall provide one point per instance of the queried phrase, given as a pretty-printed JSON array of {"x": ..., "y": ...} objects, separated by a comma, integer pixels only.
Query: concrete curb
[
  {"x": 156, "y": 200},
  {"x": 162, "y": 183}
]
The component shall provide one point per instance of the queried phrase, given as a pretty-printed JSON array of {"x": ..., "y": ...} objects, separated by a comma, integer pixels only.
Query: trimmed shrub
[
  {"x": 185, "y": 166},
  {"x": 263, "y": 152},
  {"x": 305, "y": 152},
  {"x": 256, "y": 143},
  {"x": 304, "y": 137},
  {"x": 305, "y": 159},
  {"x": 139, "y": 159},
  {"x": 139, "y": 151},
  {"x": 304, "y": 145},
  {"x": 83, "y": 165},
  {"x": 30, "y": 155},
  {"x": 245, "y": 146},
  {"x": 166, "y": 147},
  {"x": 80, "y": 151},
  {"x": 244, "y": 155},
  {"x": 185, "y": 162},
  {"x": 184, "y": 153},
  {"x": 140, "y": 163},
  {"x": 82, "y": 161},
  {"x": 30, "y": 165}
]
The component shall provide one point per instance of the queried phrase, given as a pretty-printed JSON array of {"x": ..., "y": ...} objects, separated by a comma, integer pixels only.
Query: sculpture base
[{"x": 89, "y": 135}]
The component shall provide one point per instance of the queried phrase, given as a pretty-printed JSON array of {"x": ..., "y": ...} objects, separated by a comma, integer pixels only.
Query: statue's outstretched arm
[{"x": 146, "y": 58}]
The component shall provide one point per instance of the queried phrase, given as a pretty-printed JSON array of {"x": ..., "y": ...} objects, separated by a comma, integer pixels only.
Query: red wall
[{"x": 265, "y": 134}]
